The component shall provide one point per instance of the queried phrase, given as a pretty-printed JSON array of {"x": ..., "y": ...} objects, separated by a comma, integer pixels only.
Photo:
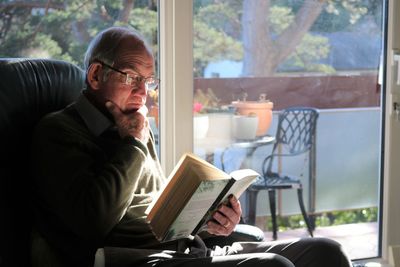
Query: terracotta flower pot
[{"x": 263, "y": 110}]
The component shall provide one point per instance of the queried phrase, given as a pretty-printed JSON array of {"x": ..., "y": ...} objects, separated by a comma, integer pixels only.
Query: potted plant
[
  {"x": 244, "y": 127},
  {"x": 262, "y": 108},
  {"x": 220, "y": 117}
]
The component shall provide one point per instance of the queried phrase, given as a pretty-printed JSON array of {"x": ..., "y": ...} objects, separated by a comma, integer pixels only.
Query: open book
[{"x": 194, "y": 190}]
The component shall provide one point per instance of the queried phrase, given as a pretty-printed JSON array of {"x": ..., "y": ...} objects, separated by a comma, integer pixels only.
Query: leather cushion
[{"x": 29, "y": 89}]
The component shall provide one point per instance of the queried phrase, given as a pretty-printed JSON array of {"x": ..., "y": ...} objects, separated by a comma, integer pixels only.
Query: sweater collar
[{"x": 96, "y": 121}]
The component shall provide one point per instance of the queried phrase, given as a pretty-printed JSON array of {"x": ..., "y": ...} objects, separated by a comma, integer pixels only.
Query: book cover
[{"x": 194, "y": 190}]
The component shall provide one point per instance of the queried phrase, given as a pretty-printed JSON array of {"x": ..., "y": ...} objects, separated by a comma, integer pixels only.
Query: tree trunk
[
  {"x": 127, "y": 6},
  {"x": 262, "y": 54},
  {"x": 256, "y": 37},
  {"x": 80, "y": 31}
]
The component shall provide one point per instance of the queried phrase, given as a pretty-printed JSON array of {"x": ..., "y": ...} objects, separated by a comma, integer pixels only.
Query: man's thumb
[
  {"x": 112, "y": 108},
  {"x": 143, "y": 110}
]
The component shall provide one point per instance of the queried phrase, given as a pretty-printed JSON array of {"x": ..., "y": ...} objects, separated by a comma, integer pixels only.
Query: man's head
[{"x": 119, "y": 65}]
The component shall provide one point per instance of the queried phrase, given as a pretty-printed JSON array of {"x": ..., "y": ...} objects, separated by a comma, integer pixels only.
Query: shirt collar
[{"x": 96, "y": 121}]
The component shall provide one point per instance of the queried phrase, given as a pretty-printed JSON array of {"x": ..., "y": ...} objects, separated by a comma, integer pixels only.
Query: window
[
  {"x": 62, "y": 30},
  {"x": 329, "y": 59},
  {"x": 25, "y": 32}
]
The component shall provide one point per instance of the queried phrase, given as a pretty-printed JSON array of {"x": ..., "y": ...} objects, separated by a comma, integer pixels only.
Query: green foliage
[
  {"x": 216, "y": 35},
  {"x": 338, "y": 15},
  {"x": 310, "y": 50},
  {"x": 145, "y": 21},
  {"x": 212, "y": 45},
  {"x": 328, "y": 219},
  {"x": 280, "y": 18},
  {"x": 223, "y": 17},
  {"x": 62, "y": 29}
]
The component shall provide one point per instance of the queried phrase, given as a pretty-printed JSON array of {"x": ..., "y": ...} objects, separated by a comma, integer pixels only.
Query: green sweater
[{"x": 91, "y": 187}]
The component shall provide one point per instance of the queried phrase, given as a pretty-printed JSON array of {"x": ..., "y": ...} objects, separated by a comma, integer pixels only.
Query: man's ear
[{"x": 94, "y": 75}]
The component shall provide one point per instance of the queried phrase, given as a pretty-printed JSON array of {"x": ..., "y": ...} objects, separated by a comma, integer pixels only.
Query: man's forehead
[
  {"x": 135, "y": 62},
  {"x": 134, "y": 44},
  {"x": 138, "y": 66}
]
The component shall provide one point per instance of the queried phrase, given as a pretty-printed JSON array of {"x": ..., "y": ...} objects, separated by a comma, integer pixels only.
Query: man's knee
[
  {"x": 267, "y": 259},
  {"x": 327, "y": 250},
  {"x": 325, "y": 246}
]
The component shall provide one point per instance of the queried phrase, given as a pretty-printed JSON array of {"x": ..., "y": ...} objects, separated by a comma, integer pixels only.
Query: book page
[
  {"x": 244, "y": 178},
  {"x": 195, "y": 209},
  {"x": 180, "y": 171},
  {"x": 194, "y": 190}
]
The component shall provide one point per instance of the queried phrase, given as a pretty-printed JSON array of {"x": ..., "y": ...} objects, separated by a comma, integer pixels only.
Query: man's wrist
[{"x": 131, "y": 140}]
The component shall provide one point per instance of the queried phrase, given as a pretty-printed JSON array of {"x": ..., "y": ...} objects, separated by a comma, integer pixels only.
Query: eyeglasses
[{"x": 150, "y": 83}]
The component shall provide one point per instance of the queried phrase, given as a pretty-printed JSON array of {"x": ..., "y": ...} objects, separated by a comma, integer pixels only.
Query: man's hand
[
  {"x": 133, "y": 124},
  {"x": 225, "y": 218}
]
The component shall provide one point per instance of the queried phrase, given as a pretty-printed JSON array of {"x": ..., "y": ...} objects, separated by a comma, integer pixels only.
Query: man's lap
[{"x": 307, "y": 252}]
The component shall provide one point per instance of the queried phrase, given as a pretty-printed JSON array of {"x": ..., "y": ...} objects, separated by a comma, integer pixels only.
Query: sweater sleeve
[{"x": 87, "y": 189}]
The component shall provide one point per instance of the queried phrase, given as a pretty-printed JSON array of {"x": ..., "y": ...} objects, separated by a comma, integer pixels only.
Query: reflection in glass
[{"x": 300, "y": 53}]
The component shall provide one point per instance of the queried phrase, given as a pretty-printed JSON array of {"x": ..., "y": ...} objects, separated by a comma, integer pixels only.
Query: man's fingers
[
  {"x": 218, "y": 229},
  {"x": 134, "y": 124},
  {"x": 143, "y": 110},
  {"x": 232, "y": 212},
  {"x": 113, "y": 109},
  {"x": 235, "y": 204}
]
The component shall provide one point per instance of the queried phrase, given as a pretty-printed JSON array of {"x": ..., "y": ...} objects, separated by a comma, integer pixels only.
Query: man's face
[{"x": 129, "y": 98}]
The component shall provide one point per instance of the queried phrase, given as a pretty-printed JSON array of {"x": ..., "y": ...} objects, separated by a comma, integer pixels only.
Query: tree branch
[
  {"x": 39, "y": 25},
  {"x": 305, "y": 17},
  {"x": 124, "y": 13},
  {"x": 31, "y": 4}
]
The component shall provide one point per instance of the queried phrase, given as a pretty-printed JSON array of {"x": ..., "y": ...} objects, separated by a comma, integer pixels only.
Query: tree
[
  {"x": 63, "y": 29},
  {"x": 216, "y": 27},
  {"x": 265, "y": 34},
  {"x": 275, "y": 33},
  {"x": 264, "y": 50}
]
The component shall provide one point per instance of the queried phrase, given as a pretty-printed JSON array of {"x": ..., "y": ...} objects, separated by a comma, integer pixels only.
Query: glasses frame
[{"x": 137, "y": 79}]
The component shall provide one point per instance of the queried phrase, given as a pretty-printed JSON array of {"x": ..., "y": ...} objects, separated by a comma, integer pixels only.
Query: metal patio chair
[{"x": 295, "y": 136}]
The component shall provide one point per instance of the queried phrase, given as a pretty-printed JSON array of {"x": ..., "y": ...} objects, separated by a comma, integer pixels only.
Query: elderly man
[{"x": 96, "y": 171}]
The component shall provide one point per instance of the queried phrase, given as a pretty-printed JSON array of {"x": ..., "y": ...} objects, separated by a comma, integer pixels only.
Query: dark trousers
[{"x": 306, "y": 252}]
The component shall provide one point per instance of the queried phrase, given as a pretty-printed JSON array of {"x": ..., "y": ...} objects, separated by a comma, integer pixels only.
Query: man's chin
[{"x": 130, "y": 110}]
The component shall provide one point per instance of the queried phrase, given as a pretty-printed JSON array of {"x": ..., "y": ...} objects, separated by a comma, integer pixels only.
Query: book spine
[{"x": 213, "y": 207}]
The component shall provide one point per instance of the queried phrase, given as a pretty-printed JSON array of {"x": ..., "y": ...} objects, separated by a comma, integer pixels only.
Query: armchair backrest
[{"x": 29, "y": 89}]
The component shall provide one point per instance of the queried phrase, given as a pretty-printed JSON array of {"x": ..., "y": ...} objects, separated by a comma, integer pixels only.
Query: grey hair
[{"x": 105, "y": 44}]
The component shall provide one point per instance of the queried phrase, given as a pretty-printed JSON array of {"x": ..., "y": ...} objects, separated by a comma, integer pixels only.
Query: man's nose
[{"x": 141, "y": 89}]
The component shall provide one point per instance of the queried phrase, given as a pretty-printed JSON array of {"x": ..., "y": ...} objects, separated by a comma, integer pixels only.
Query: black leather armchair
[{"x": 28, "y": 90}]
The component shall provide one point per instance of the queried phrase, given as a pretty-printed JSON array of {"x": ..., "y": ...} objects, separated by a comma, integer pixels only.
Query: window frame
[
  {"x": 176, "y": 75},
  {"x": 176, "y": 125}
]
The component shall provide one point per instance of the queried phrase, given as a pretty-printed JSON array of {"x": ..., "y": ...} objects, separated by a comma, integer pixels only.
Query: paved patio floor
[{"x": 359, "y": 240}]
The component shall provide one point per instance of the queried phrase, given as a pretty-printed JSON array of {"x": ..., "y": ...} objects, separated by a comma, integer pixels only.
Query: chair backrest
[
  {"x": 295, "y": 135},
  {"x": 29, "y": 89}
]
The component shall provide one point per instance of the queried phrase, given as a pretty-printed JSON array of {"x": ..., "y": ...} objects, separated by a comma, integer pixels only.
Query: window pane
[
  {"x": 63, "y": 30},
  {"x": 296, "y": 53}
]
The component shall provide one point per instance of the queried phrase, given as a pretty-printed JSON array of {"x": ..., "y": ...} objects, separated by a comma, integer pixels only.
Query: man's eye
[
  {"x": 129, "y": 80},
  {"x": 139, "y": 79}
]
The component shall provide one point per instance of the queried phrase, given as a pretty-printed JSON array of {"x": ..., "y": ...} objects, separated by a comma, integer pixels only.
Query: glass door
[{"x": 273, "y": 55}]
